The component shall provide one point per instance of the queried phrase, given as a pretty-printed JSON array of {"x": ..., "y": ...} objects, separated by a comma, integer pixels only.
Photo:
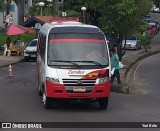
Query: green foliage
[
  {"x": 122, "y": 17},
  {"x": 157, "y": 2},
  {"x": 35, "y": 9},
  {"x": 145, "y": 41},
  {"x": 71, "y": 13},
  {"x": 142, "y": 27},
  {"x": 2, "y": 5},
  {"x": 25, "y": 38}
]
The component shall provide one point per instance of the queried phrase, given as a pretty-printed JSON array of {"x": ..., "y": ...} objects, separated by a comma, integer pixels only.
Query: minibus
[{"x": 73, "y": 63}]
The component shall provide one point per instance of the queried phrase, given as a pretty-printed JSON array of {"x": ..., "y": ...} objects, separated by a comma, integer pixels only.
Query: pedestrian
[
  {"x": 115, "y": 64},
  {"x": 8, "y": 41},
  {"x": 4, "y": 21},
  {"x": 7, "y": 20},
  {"x": 11, "y": 19}
]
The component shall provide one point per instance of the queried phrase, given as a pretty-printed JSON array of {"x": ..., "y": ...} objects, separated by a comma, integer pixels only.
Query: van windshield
[
  {"x": 77, "y": 50},
  {"x": 131, "y": 38},
  {"x": 33, "y": 43}
]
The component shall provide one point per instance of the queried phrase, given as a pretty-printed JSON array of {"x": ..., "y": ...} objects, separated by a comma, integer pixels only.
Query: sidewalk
[
  {"x": 131, "y": 63},
  {"x": 6, "y": 60}
]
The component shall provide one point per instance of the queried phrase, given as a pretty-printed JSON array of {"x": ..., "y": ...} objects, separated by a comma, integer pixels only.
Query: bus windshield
[{"x": 77, "y": 49}]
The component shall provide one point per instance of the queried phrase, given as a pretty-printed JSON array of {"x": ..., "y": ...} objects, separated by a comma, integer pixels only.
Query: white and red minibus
[{"x": 73, "y": 63}]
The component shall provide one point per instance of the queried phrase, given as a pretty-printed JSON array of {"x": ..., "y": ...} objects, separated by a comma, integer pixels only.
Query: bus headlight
[
  {"x": 103, "y": 80},
  {"x": 53, "y": 80}
]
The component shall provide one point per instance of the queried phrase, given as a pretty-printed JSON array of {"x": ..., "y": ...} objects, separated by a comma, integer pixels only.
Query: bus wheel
[
  {"x": 39, "y": 88},
  {"x": 46, "y": 101},
  {"x": 39, "y": 91},
  {"x": 103, "y": 103}
]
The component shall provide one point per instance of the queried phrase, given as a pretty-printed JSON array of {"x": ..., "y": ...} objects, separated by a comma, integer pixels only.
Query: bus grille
[{"x": 70, "y": 84}]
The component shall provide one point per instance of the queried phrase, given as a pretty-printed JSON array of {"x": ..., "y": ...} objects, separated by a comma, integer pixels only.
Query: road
[
  {"x": 147, "y": 80},
  {"x": 20, "y": 102}
]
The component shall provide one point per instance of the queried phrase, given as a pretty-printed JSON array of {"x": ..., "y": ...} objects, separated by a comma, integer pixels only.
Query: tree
[
  {"x": 21, "y": 19},
  {"x": 2, "y": 5},
  {"x": 35, "y": 9},
  {"x": 156, "y": 2},
  {"x": 123, "y": 18},
  {"x": 92, "y": 12}
]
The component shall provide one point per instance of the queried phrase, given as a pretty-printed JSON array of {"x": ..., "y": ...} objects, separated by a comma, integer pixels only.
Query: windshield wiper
[
  {"x": 72, "y": 62},
  {"x": 95, "y": 62}
]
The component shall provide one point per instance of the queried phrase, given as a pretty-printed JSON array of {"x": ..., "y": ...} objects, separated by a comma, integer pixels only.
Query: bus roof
[{"x": 60, "y": 28}]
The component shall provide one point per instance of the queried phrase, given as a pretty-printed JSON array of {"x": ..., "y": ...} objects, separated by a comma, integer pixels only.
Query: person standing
[
  {"x": 115, "y": 64},
  {"x": 11, "y": 19},
  {"x": 8, "y": 41},
  {"x": 4, "y": 21},
  {"x": 7, "y": 20}
]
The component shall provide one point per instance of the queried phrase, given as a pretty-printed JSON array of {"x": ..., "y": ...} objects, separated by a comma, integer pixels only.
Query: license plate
[
  {"x": 127, "y": 46},
  {"x": 33, "y": 55},
  {"x": 79, "y": 89}
]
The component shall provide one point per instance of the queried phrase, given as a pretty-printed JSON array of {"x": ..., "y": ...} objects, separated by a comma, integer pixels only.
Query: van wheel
[
  {"x": 26, "y": 59},
  {"x": 39, "y": 91},
  {"x": 39, "y": 88},
  {"x": 46, "y": 101},
  {"x": 103, "y": 103},
  {"x": 140, "y": 47}
]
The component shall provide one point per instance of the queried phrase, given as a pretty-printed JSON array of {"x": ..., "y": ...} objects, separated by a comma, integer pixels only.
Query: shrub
[{"x": 145, "y": 41}]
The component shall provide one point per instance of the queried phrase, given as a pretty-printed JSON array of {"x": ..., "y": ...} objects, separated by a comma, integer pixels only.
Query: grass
[{"x": 26, "y": 38}]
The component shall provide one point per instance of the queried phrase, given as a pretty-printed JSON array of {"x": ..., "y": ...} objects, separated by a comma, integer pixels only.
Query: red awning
[{"x": 15, "y": 30}]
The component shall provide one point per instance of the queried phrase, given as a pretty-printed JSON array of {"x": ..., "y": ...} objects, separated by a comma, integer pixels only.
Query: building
[{"x": 13, "y": 11}]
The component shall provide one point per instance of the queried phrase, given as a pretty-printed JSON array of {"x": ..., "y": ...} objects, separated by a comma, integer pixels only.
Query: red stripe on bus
[{"x": 76, "y": 40}]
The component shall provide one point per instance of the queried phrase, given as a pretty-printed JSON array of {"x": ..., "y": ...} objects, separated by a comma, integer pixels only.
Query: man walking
[{"x": 115, "y": 64}]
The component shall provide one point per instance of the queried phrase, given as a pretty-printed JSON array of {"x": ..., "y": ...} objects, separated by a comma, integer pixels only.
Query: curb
[
  {"x": 127, "y": 73},
  {"x": 139, "y": 59},
  {"x": 12, "y": 63}
]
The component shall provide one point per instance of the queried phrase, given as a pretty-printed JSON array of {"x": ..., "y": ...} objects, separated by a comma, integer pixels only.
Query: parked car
[
  {"x": 147, "y": 17},
  {"x": 154, "y": 9},
  {"x": 132, "y": 42},
  {"x": 31, "y": 50},
  {"x": 151, "y": 21}
]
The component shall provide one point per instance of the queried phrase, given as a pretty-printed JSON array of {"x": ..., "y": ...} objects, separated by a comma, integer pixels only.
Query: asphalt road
[
  {"x": 19, "y": 102},
  {"x": 147, "y": 80}
]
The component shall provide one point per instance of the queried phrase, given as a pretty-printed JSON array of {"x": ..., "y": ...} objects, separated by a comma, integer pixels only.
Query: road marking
[{"x": 140, "y": 64}]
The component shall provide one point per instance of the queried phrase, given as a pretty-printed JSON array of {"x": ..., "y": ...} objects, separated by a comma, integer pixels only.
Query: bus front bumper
[{"x": 59, "y": 91}]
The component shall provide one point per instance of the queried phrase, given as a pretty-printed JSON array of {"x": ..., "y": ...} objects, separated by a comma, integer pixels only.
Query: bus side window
[{"x": 43, "y": 47}]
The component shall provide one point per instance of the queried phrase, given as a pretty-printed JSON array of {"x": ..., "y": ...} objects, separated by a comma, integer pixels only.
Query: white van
[{"x": 73, "y": 63}]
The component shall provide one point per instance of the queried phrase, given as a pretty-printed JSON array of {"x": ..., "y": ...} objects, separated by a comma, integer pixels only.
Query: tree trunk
[
  {"x": 124, "y": 50},
  {"x": 21, "y": 20},
  {"x": 7, "y": 8},
  {"x": 119, "y": 47},
  {"x": 56, "y": 7}
]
